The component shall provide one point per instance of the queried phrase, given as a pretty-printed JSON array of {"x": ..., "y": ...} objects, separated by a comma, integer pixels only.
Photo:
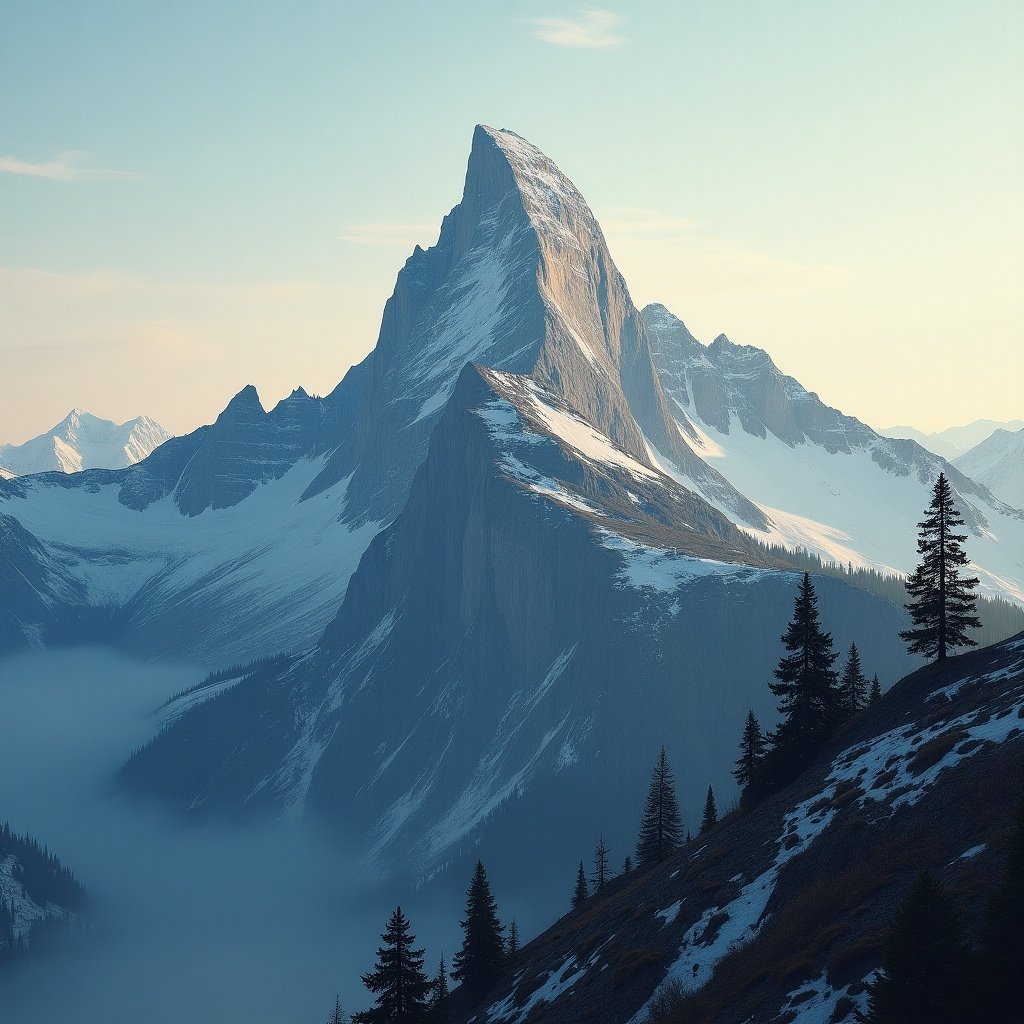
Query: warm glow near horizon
[{"x": 192, "y": 201}]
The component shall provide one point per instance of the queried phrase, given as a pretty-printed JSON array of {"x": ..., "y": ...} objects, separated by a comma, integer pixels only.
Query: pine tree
[
  {"x": 481, "y": 960},
  {"x": 512, "y": 946},
  {"x": 752, "y": 749},
  {"x": 925, "y": 967},
  {"x": 1002, "y": 938},
  {"x": 876, "y": 689},
  {"x": 337, "y": 1017},
  {"x": 601, "y": 870},
  {"x": 627, "y": 864},
  {"x": 805, "y": 685},
  {"x": 579, "y": 893},
  {"x": 853, "y": 686},
  {"x": 398, "y": 981},
  {"x": 661, "y": 830},
  {"x": 439, "y": 998},
  {"x": 710, "y": 818},
  {"x": 943, "y": 603}
]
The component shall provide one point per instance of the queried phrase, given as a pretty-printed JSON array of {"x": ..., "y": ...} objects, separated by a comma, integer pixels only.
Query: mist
[{"x": 192, "y": 922}]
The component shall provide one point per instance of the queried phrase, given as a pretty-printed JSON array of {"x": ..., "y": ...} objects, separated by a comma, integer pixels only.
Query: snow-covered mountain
[
  {"x": 998, "y": 463},
  {"x": 500, "y": 557},
  {"x": 83, "y": 441},
  {"x": 238, "y": 539},
  {"x": 500, "y": 650},
  {"x": 546, "y": 583},
  {"x": 825, "y": 481},
  {"x": 953, "y": 442}
]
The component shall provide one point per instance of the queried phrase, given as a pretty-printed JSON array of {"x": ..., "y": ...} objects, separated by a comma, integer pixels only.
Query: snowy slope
[
  {"x": 998, "y": 463},
  {"x": 499, "y": 649},
  {"x": 782, "y": 913},
  {"x": 825, "y": 481},
  {"x": 83, "y": 441}
]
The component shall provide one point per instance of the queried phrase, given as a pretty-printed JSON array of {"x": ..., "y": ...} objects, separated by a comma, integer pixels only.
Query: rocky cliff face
[
  {"x": 498, "y": 653},
  {"x": 824, "y": 480}
]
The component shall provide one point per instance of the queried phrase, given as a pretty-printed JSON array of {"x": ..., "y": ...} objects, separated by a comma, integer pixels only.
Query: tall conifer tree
[
  {"x": 805, "y": 683},
  {"x": 512, "y": 946},
  {"x": 601, "y": 870},
  {"x": 661, "y": 830},
  {"x": 439, "y": 999},
  {"x": 925, "y": 967},
  {"x": 876, "y": 689},
  {"x": 481, "y": 960},
  {"x": 338, "y": 1015},
  {"x": 853, "y": 686},
  {"x": 710, "y": 816},
  {"x": 752, "y": 750},
  {"x": 398, "y": 981},
  {"x": 942, "y": 601},
  {"x": 579, "y": 892}
]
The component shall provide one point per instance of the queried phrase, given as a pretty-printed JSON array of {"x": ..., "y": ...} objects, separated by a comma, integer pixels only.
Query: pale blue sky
[{"x": 195, "y": 196}]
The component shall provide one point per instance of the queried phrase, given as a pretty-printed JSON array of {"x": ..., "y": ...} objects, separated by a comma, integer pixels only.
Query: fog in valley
[{"x": 192, "y": 923}]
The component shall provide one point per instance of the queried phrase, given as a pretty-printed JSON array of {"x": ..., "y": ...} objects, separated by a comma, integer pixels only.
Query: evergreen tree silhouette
[
  {"x": 805, "y": 685},
  {"x": 853, "y": 686},
  {"x": 627, "y": 864},
  {"x": 710, "y": 817},
  {"x": 661, "y": 830},
  {"x": 876, "y": 689},
  {"x": 579, "y": 892},
  {"x": 481, "y": 960},
  {"x": 439, "y": 998},
  {"x": 925, "y": 967},
  {"x": 752, "y": 750},
  {"x": 1002, "y": 939},
  {"x": 398, "y": 981},
  {"x": 512, "y": 946},
  {"x": 942, "y": 601},
  {"x": 601, "y": 870},
  {"x": 337, "y": 1016}
]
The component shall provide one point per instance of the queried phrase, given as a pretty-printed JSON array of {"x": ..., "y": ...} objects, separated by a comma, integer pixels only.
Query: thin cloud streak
[
  {"x": 69, "y": 166},
  {"x": 593, "y": 28}
]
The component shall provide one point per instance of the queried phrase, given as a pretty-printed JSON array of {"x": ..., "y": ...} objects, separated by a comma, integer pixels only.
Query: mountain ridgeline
[{"x": 533, "y": 535}]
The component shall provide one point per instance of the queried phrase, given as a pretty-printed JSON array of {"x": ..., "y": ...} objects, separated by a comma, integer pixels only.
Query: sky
[{"x": 201, "y": 195}]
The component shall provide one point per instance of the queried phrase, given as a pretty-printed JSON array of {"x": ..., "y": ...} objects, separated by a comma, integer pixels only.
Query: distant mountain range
[
  {"x": 953, "y": 442},
  {"x": 532, "y": 536},
  {"x": 998, "y": 463},
  {"x": 83, "y": 441}
]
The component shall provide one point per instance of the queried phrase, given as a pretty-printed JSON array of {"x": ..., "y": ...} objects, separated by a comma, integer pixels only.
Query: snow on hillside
[
  {"x": 998, "y": 463},
  {"x": 890, "y": 771},
  {"x": 272, "y": 556}
]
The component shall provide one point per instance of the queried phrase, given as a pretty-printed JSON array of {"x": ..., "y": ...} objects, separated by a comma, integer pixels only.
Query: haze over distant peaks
[
  {"x": 83, "y": 441},
  {"x": 953, "y": 442}
]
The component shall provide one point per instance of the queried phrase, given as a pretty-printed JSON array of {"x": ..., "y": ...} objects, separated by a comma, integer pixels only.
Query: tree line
[{"x": 814, "y": 702}]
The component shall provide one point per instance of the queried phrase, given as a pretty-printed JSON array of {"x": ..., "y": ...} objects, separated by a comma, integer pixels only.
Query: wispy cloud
[
  {"x": 592, "y": 28},
  {"x": 70, "y": 166},
  {"x": 403, "y": 236}
]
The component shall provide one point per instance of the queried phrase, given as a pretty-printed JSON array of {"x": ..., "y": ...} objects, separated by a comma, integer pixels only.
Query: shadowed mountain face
[
  {"x": 520, "y": 279},
  {"x": 499, "y": 653},
  {"x": 782, "y": 913}
]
